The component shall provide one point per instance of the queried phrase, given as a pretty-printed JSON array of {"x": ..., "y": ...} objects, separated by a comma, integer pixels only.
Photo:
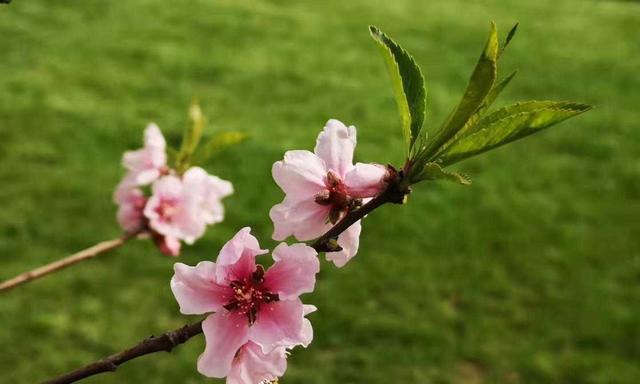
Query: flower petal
[
  {"x": 145, "y": 164},
  {"x": 224, "y": 333},
  {"x": 335, "y": 145},
  {"x": 252, "y": 366},
  {"x": 168, "y": 245},
  {"x": 236, "y": 259},
  {"x": 366, "y": 180},
  {"x": 300, "y": 175},
  {"x": 278, "y": 324},
  {"x": 131, "y": 202},
  {"x": 205, "y": 193},
  {"x": 294, "y": 271},
  {"x": 196, "y": 290},
  {"x": 349, "y": 240},
  {"x": 305, "y": 220},
  {"x": 307, "y": 329},
  {"x": 153, "y": 137}
]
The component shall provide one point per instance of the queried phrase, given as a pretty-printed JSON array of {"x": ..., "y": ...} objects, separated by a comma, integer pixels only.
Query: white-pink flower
[
  {"x": 181, "y": 208},
  {"x": 131, "y": 202},
  {"x": 147, "y": 164},
  {"x": 248, "y": 303},
  {"x": 321, "y": 187},
  {"x": 208, "y": 191},
  {"x": 252, "y": 366}
]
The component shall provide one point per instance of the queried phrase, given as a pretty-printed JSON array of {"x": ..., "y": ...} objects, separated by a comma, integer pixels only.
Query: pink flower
[
  {"x": 168, "y": 245},
  {"x": 172, "y": 210},
  {"x": 322, "y": 187},
  {"x": 249, "y": 304},
  {"x": 252, "y": 366},
  {"x": 131, "y": 202},
  {"x": 209, "y": 191},
  {"x": 149, "y": 163}
]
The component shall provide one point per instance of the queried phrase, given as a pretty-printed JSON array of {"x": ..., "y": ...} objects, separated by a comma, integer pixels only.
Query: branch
[
  {"x": 85, "y": 254},
  {"x": 394, "y": 193},
  {"x": 165, "y": 342}
]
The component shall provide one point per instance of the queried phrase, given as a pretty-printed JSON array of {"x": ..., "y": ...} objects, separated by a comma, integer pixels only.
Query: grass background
[{"x": 530, "y": 275}]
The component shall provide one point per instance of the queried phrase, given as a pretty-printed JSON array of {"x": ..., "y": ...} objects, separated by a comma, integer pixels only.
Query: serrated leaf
[
  {"x": 191, "y": 137},
  {"x": 471, "y": 125},
  {"x": 509, "y": 124},
  {"x": 408, "y": 85},
  {"x": 510, "y": 35},
  {"x": 479, "y": 86},
  {"x": 433, "y": 171},
  {"x": 218, "y": 143}
]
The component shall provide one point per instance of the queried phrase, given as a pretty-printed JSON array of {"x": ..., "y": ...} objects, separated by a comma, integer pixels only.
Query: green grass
[{"x": 531, "y": 274}]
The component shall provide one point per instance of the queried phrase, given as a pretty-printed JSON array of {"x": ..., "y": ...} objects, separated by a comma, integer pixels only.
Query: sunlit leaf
[
  {"x": 191, "y": 137},
  {"x": 508, "y": 124},
  {"x": 433, "y": 171},
  {"x": 479, "y": 86},
  {"x": 218, "y": 143},
  {"x": 408, "y": 86}
]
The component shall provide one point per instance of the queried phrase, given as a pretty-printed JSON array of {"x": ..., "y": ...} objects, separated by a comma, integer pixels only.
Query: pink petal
[
  {"x": 278, "y": 324},
  {"x": 335, "y": 145},
  {"x": 147, "y": 176},
  {"x": 196, "y": 290},
  {"x": 146, "y": 164},
  {"x": 168, "y": 245},
  {"x": 123, "y": 189},
  {"x": 294, "y": 271},
  {"x": 153, "y": 137},
  {"x": 300, "y": 175},
  {"x": 131, "y": 202},
  {"x": 224, "y": 334},
  {"x": 305, "y": 220},
  {"x": 185, "y": 223},
  {"x": 252, "y": 366},
  {"x": 349, "y": 240},
  {"x": 366, "y": 180},
  {"x": 307, "y": 330},
  {"x": 205, "y": 192},
  {"x": 236, "y": 259}
]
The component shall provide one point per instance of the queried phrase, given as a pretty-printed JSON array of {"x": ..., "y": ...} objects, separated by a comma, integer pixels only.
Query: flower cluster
[
  {"x": 176, "y": 207},
  {"x": 323, "y": 186},
  {"x": 256, "y": 314}
]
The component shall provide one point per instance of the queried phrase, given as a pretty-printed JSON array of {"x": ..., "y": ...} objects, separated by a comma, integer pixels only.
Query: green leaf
[
  {"x": 433, "y": 171},
  {"x": 472, "y": 124},
  {"x": 408, "y": 86},
  {"x": 508, "y": 124},
  {"x": 480, "y": 84},
  {"x": 510, "y": 35},
  {"x": 191, "y": 137},
  {"x": 217, "y": 144}
]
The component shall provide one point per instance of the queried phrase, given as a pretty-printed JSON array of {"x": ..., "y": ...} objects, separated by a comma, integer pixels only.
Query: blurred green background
[{"x": 529, "y": 275}]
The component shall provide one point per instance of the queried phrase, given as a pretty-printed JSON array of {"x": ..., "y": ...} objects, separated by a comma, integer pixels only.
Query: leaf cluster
[
  {"x": 191, "y": 152},
  {"x": 472, "y": 127}
]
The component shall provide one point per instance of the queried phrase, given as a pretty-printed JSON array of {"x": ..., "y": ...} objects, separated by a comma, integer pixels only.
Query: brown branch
[
  {"x": 394, "y": 193},
  {"x": 85, "y": 254},
  {"x": 165, "y": 342}
]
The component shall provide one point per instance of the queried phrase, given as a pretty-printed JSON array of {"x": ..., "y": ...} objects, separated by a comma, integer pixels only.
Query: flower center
[
  {"x": 166, "y": 209},
  {"x": 336, "y": 196},
  {"x": 250, "y": 294}
]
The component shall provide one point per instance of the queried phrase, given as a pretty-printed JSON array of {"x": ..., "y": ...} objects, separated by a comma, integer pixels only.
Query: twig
[
  {"x": 394, "y": 193},
  {"x": 85, "y": 254},
  {"x": 165, "y": 342}
]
